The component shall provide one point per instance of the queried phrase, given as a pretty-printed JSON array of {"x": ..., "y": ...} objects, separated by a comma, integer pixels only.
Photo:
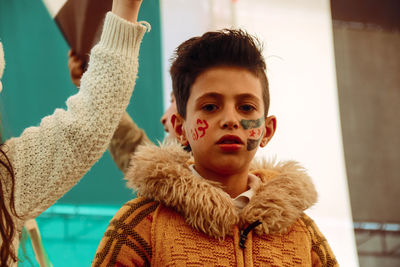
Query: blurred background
[
  {"x": 335, "y": 89},
  {"x": 367, "y": 54}
]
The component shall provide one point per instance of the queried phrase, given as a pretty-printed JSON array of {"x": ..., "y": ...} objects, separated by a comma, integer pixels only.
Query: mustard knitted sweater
[
  {"x": 184, "y": 220},
  {"x": 50, "y": 159}
]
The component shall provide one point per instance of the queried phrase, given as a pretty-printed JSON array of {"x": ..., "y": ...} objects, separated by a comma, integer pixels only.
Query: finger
[
  {"x": 76, "y": 72},
  {"x": 71, "y": 53},
  {"x": 75, "y": 62}
]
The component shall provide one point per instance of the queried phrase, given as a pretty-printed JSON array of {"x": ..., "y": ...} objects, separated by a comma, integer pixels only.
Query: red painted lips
[{"x": 230, "y": 143}]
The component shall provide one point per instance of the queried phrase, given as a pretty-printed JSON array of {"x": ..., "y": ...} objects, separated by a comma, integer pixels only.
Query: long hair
[
  {"x": 7, "y": 210},
  {"x": 7, "y": 207}
]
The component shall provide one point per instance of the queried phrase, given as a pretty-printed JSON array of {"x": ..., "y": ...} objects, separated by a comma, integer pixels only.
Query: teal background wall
[{"x": 35, "y": 82}]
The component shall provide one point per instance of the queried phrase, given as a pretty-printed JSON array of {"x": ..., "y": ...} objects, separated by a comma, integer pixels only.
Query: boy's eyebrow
[
  {"x": 248, "y": 96},
  {"x": 209, "y": 95}
]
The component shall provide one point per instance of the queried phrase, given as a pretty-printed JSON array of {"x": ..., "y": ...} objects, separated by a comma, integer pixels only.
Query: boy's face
[
  {"x": 225, "y": 120},
  {"x": 168, "y": 120}
]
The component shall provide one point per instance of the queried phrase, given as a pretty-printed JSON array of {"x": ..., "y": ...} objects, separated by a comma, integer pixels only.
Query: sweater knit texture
[
  {"x": 49, "y": 160},
  {"x": 181, "y": 219}
]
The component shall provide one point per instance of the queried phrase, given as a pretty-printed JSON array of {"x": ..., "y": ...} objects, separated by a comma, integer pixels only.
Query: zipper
[{"x": 245, "y": 232}]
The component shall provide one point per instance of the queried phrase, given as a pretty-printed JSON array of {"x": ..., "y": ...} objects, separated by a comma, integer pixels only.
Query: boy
[{"x": 216, "y": 207}]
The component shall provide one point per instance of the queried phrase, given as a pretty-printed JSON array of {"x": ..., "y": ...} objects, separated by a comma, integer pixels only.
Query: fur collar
[{"x": 161, "y": 173}]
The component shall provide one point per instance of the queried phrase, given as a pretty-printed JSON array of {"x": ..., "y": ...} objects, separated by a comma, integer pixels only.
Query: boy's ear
[
  {"x": 179, "y": 129},
  {"x": 270, "y": 127}
]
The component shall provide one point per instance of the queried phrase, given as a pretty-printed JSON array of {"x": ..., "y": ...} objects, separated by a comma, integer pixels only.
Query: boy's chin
[{"x": 229, "y": 167}]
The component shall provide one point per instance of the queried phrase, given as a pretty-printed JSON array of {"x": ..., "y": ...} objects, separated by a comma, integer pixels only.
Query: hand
[
  {"x": 75, "y": 65},
  {"x": 127, "y": 9}
]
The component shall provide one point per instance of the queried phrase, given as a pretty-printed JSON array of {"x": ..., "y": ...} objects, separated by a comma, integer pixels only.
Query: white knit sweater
[{"x": 50, "y": 159}]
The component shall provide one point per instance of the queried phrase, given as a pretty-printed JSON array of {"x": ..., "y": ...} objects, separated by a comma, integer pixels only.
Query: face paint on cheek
[
  {"x": 251, "y": 124},
  {"x": 255, "y": 133},
  {"x": 200, "y": 131},
  {"x": 253, "y": 143},
  {"x": 195, "y": 134}
]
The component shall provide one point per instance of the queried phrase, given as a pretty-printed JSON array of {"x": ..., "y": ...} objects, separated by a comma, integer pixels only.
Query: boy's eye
[
  {"x": 246, "y": 108},
  {"x": 209, "y": 107}
]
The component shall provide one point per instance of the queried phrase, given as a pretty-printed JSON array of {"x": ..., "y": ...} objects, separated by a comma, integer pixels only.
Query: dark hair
[
  {"x": 7, "y": 227},
  {"x": 227, "y": 47}
]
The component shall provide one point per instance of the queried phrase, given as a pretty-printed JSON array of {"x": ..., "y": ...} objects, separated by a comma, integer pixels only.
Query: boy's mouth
[
  {"x": 230, "y": 143},
  {"x": 230, "y": 140}
]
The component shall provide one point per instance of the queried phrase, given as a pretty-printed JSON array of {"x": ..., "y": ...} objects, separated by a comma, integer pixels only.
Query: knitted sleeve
[
  {"x": 49, "y": 159},
  {"x": 321, "y": 253},
  {"x": 127, "y": 240},
  {"x": 125, "y": 141}
]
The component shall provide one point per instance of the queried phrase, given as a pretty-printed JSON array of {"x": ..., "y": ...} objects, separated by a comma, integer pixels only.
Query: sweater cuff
[{"x": 122, "y": 36}]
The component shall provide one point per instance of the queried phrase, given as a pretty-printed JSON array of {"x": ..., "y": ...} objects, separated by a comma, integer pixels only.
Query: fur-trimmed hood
[{"x": 162, "y": 173}]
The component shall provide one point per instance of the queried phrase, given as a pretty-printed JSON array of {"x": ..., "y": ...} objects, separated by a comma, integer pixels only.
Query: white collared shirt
[{"x": 244, "y": 198}]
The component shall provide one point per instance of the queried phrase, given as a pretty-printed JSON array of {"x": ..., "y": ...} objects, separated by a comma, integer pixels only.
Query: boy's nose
[
  {"x": 163, "y": 120},
  {"x": 229, "y": 121},
  {"x": 231, "y": 124}
]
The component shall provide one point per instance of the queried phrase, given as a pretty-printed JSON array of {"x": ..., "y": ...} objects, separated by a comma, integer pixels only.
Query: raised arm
[
  {"x": 125, "y": 141},
  {"x": 127, "y": 9},
  {"x": 128, "y": 135},
  {"x": 48, "y": 160}
]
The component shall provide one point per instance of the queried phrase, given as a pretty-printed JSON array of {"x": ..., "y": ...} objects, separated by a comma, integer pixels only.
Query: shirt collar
[{"x": 244, "y": 198}]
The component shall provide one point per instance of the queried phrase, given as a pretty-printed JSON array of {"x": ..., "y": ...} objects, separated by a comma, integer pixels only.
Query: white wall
[{"x": 298, "y": 48}]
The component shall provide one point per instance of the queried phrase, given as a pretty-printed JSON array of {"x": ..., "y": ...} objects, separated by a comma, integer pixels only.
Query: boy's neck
[{"x": 233, "y": 184}]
